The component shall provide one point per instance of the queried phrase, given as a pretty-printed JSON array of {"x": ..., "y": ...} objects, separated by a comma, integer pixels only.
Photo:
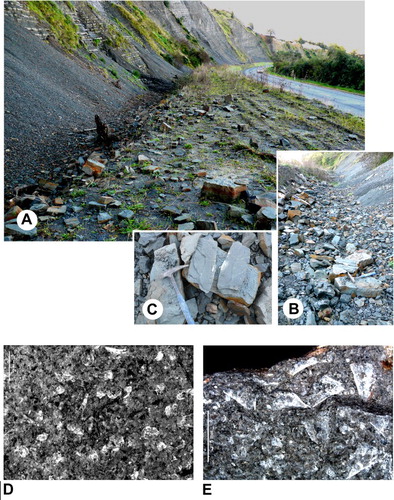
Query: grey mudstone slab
[
  {"x": 151, "y": 241},
  {"x": 363, "y": 287},
  {"x": 203, "y": 264},
  {"x": 161, "y": 288},
  {"x": 238, "y": 280},
  {"x": 294, "y": 239},
  {"x": 125, "y": 214},
  {"x": 188, "y": 246},
  {"x": 327, "y": 415},
  {"x": 263, "y": 304},
  {"x": 15, "y": 230}
]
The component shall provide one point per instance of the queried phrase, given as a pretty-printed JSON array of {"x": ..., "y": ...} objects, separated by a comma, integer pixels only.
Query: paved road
[{"x": 344, "y": 101}]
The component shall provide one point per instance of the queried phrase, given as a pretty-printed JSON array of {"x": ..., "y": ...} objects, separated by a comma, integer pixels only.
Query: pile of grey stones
[{"x": 226, "y": 278}]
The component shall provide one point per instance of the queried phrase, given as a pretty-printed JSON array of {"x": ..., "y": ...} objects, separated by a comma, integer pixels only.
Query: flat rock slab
[
  {"x": 224, "y": 190},
  {"x": 203, "y": 264},
  {"x": 263, "y": 304},
  {"x": 162, "y": 289},
  {"x": 238, "y": 280},
  {"x": 327, "y": 415},
  {"x": 361, "y": 258},
  {"x": 362, "y": 287},
  {"x": 188, "y": 246}
]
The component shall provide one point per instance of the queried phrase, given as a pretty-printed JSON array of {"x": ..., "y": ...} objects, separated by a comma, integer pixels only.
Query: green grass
[
  {"x": 134, "y": 225},
  {"x": 319, "y": 84},
  {"x": 76, "y": 193},
  {"x": 64, "y": 30},
  {"x": 204, "y": 203}
]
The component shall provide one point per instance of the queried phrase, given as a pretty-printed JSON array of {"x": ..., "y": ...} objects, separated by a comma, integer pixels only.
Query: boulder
[{"x": 222, "y": 189}]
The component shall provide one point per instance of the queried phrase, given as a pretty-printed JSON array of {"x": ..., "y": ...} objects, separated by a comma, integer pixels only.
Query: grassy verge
[{"x": 319, "y": 84}]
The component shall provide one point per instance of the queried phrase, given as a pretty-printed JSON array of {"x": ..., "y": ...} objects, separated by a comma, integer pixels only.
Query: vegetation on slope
[
  {"x": 335, "y": 67},
  {"x": 64, "y": 30},
  {"x": 176, "y": 52},
  {"x": 223, "y": 19}
]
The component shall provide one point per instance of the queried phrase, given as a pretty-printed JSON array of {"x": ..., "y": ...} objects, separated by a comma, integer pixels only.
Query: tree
[{"x": 271, "y": 33}]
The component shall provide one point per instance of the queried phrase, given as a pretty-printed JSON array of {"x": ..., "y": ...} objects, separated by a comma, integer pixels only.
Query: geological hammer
[{"x": 170, "y": 274}]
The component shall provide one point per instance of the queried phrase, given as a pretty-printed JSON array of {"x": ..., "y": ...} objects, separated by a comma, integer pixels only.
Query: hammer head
[{"x": 173, "y": 270}]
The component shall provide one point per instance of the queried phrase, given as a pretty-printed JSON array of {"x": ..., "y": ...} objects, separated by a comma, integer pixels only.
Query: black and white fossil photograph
[
  {"x": 98, "y": 412},
  {"x": 298, "y": 412}
]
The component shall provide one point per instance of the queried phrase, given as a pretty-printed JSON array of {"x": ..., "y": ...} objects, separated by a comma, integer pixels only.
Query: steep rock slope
[{"x": 67, "y": 61}]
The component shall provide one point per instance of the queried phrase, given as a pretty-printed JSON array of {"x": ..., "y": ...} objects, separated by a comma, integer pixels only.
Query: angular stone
[
  {"x": 343, "y": 266},
  {"x": 151, "y": 241},
  {"x": 294, "y": 239},
  {"x": 361, "y": 258},
  {"x": 125, "y": 214},
  {"x": 188, "y": 246},
  {"x": 105, "y": 200},
  {"x": 237, "y": 279},
  {"x": 39, "y": 208},
  {"x": 15, "y": 230},
  {"x": 93, "y": 167},
  {"x": 57, "y": 210},
  {"x": 222, "y": 189},
  {"x": 103, "y": 217},
  {"x": 188, "y": 226},
  {"x": 161, "y": 288},
  {"x": 58, "y": 201},
  {"x": 202, "y": 267},
  {"x": 248, "y": 239},
  {"x": 362, "y": 287},
  {"x": 235, "y": 212},
  {"x": 291, "y": 214},
  {"x": 47, "y": 185},
  {"x": 265, "y": 243},
  {"x": 96, "y": 204},
  {"x": 13, "y": 212},
  {"x": 265, "y": 218},
  {"x": 225, "y": 241},
  {"x": 171, "y": 210},
  {"x": 72, "y": 222},
  {"x": 142, "y": 159}
]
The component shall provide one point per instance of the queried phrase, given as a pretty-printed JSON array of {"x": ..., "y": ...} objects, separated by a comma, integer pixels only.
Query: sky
[{"x": 330, "y": 22}]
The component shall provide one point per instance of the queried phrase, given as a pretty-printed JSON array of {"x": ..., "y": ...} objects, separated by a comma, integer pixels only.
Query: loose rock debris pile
[
  {"x": 227, "y": 278},
  {"x": 334, "y": 255},
  {"x": 328, "y": 415}
]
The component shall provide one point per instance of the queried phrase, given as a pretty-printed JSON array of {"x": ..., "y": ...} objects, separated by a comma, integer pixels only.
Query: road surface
[{"x": 344, "y": 101}]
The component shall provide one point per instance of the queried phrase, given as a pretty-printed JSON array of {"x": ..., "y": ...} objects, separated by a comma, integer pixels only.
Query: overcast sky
[{"x": 330, "y": 22}]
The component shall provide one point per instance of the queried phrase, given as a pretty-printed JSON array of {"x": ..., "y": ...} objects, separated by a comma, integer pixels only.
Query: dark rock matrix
[
  {"x": 98, "y": 412},
  {"x": 327, "y": 415}
]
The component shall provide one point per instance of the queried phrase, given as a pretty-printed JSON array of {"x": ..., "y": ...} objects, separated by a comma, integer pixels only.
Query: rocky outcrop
[{"x": 326, "y": 416}]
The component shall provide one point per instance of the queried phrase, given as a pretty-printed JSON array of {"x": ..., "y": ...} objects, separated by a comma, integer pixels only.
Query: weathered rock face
[
  {"x": 325, "y": 416},
  {"x": 98, "y": 412}
]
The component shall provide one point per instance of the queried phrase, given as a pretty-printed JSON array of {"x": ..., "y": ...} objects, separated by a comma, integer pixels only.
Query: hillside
[{"x": 164, "y": 79}]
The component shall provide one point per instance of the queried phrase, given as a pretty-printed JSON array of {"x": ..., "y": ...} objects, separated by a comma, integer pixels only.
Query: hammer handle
[{"x": 182, "y": 303}]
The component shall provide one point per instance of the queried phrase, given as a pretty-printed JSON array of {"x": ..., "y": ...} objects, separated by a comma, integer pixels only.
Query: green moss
[{"x": 65, "y": 31}]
